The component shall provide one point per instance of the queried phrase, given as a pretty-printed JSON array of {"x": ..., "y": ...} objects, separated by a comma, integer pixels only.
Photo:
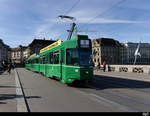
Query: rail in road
[{"x": 105, "y": 94}]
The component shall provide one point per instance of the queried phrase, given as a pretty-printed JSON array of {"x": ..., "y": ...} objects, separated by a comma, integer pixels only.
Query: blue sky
[{"x": 21, "y": 21}]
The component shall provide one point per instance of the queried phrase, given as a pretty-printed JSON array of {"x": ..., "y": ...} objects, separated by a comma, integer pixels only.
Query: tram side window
[
  {"x": 62, "y": 56},
  {"x": 51, "y": 58},
  {"x": 31, "y": 61},
  {"x": 36, "y": 61},
  {"x": 26, "y": 62},
  {"x": 47, "y": 60},
  {"x": 72, "y": 57},
  {"x": 56, "y": 57},
  {"x": 43, "y": 60}
]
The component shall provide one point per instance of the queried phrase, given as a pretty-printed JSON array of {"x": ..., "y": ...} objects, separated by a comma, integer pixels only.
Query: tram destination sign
[{"x": 84, "y": 43}]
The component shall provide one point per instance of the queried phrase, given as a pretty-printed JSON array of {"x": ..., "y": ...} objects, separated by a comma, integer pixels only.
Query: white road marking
[
  {"x": 98, "y": 98},
  {"x": 113, "y": 103},
  {"x": 21, "y": 106}
]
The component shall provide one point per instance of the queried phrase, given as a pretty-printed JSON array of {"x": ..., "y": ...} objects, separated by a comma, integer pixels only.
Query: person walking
[
  {"x": 98, "y": 66},
  {"x": 104, "y": 66},
  {"x": 9, "y": 68},
  {"x": 13, "y": 66}
]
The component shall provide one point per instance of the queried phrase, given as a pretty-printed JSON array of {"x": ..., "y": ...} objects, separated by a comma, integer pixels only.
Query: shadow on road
[
  {"x": 108, "y": 82},
  {"x": 9, "y": 87},
  {"x": 1, "y": 72},
  {"x": 2, "y": 102},
  {"x": 4, "y": 73},
  {"x": 14, "y": 96}
]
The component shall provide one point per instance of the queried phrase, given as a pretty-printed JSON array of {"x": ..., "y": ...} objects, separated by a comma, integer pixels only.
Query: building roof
[
  {"x": 39, "y": 41},
  {"x": 18, "y": 48},
  {"x": 134, "y": 45},
  {"x": 1, "y": 41},
  {"x": 108, "y": 42}
]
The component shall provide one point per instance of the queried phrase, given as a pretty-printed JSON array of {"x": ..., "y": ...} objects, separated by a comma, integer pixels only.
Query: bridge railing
[{"x": 129, "y": 68}]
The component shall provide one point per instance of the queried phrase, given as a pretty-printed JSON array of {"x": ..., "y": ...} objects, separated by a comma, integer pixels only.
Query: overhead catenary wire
[
  {"x": 106, "y": 11},
  {"x": 118, "y": 3},
  {"x": 73, "y": 6}
]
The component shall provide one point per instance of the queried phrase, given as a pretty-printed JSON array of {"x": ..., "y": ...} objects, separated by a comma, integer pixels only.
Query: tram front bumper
[
  {"x": 80, "y": 74},
  {"x": 86, "y": 73}
]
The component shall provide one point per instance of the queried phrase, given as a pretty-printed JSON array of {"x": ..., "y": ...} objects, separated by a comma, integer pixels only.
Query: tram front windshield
[
  {"x": 79, "y": 57},
  {"x": 85, "y": 59}
]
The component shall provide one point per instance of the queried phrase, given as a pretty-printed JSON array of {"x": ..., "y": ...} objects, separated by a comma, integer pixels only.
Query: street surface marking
[
  {"x": 113, "y": 103},
  {"x": 21, "y": 106},
  {"x": 100, "y": 99},
  {"x": 110, "y": 101}
]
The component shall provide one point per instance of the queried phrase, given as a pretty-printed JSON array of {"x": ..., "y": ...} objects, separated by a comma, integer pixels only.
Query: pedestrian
[
  {"x": 13, "y": 66},
  {"x": 104, "y": 65},
  {"x": 3, "y": 65},
  {"x": 9, "y": 68},
  {"x": 98, "y": 66}
]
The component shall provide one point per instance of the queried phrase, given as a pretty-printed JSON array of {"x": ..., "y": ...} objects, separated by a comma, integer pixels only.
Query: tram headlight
[
  {"x": 87, "y": 72},
  {"x": 76, "y": 70}
]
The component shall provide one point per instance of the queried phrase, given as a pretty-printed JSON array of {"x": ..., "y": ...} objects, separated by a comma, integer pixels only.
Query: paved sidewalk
[
  {"x": 126, "y": 75},
  {"x": 8, "y": 92}
]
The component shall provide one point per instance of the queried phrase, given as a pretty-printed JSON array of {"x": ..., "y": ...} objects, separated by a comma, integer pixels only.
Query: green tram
[{"x": 69, "y": 61}]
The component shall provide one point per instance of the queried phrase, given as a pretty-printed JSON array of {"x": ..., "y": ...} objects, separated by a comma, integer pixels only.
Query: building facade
[
  {"x": 106, "y": 49},
  {"x": 4, "y": 53},
  {"x": 36, "y": 45},
  {"x": 17, "y": 55},
  {"x": 128, "y": 53},
  {"x": 26, "y": 52}
]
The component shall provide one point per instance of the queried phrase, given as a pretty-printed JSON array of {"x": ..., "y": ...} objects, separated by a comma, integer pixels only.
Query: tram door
[{"x": 61, "y": 63}]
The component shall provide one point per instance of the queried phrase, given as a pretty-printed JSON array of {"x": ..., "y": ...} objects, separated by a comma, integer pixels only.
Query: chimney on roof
[{"x": 44, "y": 38}]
